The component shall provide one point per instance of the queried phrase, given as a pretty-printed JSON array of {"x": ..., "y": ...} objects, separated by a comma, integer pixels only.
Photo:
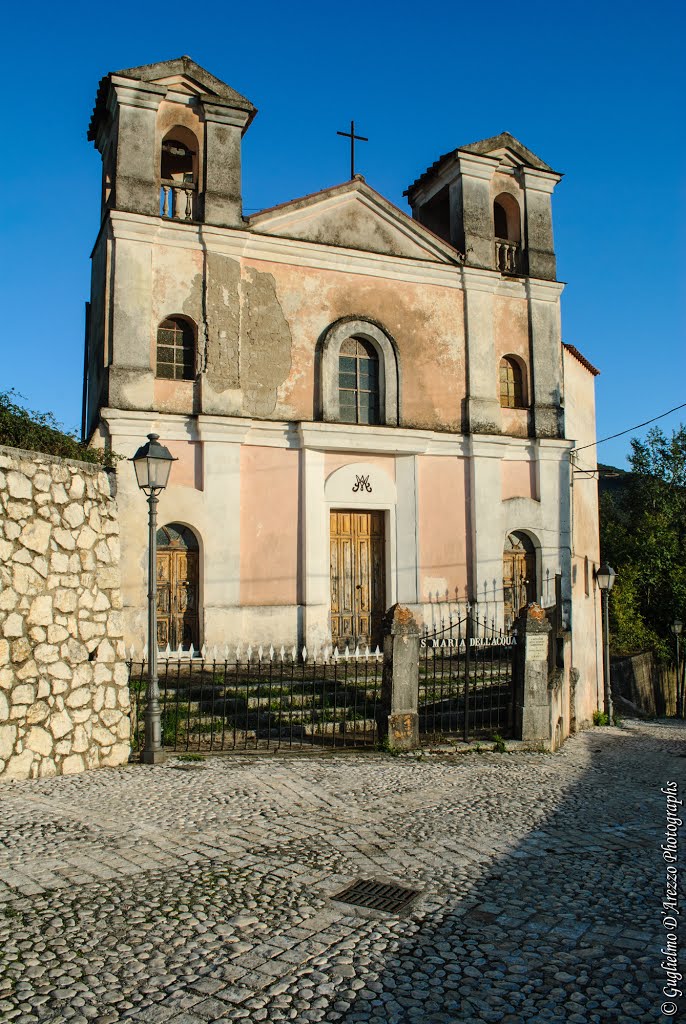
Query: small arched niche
[
  {"x": 507, "y": 230},
  {"x": 179, "y": 174},
  {"x": 512, "y": 383},
  {"x": 178, "y": 587}
]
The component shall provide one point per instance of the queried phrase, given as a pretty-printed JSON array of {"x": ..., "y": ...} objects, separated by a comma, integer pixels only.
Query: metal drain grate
[{"x": 377, "y": 896}]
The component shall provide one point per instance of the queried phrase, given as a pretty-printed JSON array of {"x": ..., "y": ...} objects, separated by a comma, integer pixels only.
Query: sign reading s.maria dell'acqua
[{"x": 474, "y": 641}]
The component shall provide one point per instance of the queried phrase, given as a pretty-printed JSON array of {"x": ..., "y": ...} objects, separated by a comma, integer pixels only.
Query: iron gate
[
  {"x": 466, "y": 685},
  {"x": 263, "y": 700}
]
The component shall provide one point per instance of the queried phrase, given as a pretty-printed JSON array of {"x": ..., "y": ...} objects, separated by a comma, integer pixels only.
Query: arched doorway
[
  {"x": 519, "y": 574},
  {"x": 177, "y": 587}
]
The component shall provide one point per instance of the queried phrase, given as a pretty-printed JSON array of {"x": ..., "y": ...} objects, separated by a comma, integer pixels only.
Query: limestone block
[
  {"x": 18, "y": 510},
  {"x": 25, "y": 580},
  {"x": 29, "y": 670},
  {"x": 86, "y": 538},
  {"x": 110, "y": 717},
  {"x": 101, "y": 602},
  {"x": 86, "y": 600},
  {"x": 6, "y": 548},
  {"x": 124, "y": 727},
  {"x": 57, "y": 634},
  {"x": 103, "y": 674},
  {"x": 79, "y": 743},
  {"x": 75, "y": 562},
  {"x": 12, "y": 531},
  {"x": 4, "y": 652},
  {"x": 36, "y": 536},
  {"x": 4, "y": 707},
  {"x": 40, "y": 613},
  {"x": 102, "y": 552},
  {"x": 14, "y": 625},
  {"x": 107, "y": 577},
  {"x": 59, "y": 686},
  {"x": 28, "y": 467},
  {"x": 59, "y": 670},
  {"x": 59, "y": 562},
  {"x": 73, "y": 515},
  {"x": 6, "y": 678},
  {"x": 43, "y": 688},
  {"x": 82, "y": 716},
  {"x": 65, "y": 539},
  {"x": 42, "y": 482},
  {"x": 110, "y": 527},
  {"x": 40, "y": 565},
  {"x": 39, "y": 740},
  {"x": 8, "y": 600},
  {"x": 59, "y": 494},
  {"x": 63, "y": 747},
  {"x": 22, "y": 556},
  {"x": 19, "y": 766},
  {"x": 65, "y": 600},
  {"x": 45, "y": 654},
  {"x": 38, "y": 634},
  {"x": 21, "y": 650},
  {"x": 44, "y": 499},
  {"x": 94, "y": 521},
  {"x": 73, "y": 764},
  {"x": 88, "y": 560},
  {"x": 38, "y": 712},
  {"x": 60, "y": 724},
  {"x": 87, "y": 630},
  {"x": 8, "y": 734},
  {"x": 83, "y": 675},
  {"x": 77, "y": 698},
  {"x": 47, "y": 768},
  {"x": 119, "y": 754},
  {"x": 23, "y": 694},
  {"x": 124, "y": 698},
  {"x": 77, "y": 488},
  {"x": 99, "y": 697},
  {"x": 106, "y": 651},
  {"x": 110, "y": 697},
  {"x": 103, "y": 736},
  {"x": 87, "y": 580},
  {"x": 121, "y": 674},
  {"x": 74, "y": 651},
  {"x": 115, "y": 548},
  {"x": 18, "y": 485}
]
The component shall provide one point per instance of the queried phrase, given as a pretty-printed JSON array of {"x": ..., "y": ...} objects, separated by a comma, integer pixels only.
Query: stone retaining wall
[{"x": 64, "y": 697}]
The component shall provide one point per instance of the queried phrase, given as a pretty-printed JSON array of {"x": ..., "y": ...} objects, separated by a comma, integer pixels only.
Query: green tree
[
  {"x": 41, "y": 432},
  {"x": 643, "y": 536}
]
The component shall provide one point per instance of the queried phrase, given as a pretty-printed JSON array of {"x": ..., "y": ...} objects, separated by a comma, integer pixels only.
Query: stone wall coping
[{"x": 26, "y": 453}]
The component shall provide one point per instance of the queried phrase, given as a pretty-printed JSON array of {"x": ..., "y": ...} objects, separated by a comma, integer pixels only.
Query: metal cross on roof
[{"x": 351, "y": 135}]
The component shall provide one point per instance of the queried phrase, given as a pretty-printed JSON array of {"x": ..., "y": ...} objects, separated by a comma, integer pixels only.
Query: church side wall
[
  {"x": 586, "y": 603},
  {"x": 64, "y": 696}
]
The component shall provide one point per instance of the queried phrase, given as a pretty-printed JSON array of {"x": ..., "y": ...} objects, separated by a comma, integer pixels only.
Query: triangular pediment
[
  {"x": 508, "y": 149},
  {"x": 354, "y": 216},
  {"x": 193, "y": 78}
]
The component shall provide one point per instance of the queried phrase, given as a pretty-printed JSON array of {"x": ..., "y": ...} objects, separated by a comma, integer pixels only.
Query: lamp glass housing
[
  {"x": 152, "y": 463},
  {"x": 605, "y": 576},
  {"x": 677, "y": 627}
]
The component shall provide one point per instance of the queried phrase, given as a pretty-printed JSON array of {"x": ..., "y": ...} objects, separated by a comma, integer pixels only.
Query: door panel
[
  {"x": 177, "y": 598},
  {"x": 358, "y": 586}
]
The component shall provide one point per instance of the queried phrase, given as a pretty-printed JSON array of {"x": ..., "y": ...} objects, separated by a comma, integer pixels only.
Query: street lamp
[
  {"x": 605, "y": 577},
  {"x": 677, "y": 627},
  {"x": 152, "y": 463}
]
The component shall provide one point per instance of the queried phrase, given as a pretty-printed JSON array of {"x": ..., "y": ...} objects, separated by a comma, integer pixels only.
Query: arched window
[
  {"x": 507, "y": 228},
  {"x": 175, "y": 349},
  {"x": 358, "y": 374},
  {"x": 358, "y": 382},
  {"x": 511, "y": 384},
  {"x": 178, "y": 173}
]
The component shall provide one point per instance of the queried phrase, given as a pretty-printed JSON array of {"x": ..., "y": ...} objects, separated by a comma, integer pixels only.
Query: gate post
[
  {"x": 398, "y": 719},
  {"x": 532, "y": 702}
]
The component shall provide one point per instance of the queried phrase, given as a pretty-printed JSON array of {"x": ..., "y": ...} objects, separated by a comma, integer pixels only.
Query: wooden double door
[
  {"x": 519, "y": 575},
  {"x": 177, "y": 587},
  {"x": 358, "y": 577}
]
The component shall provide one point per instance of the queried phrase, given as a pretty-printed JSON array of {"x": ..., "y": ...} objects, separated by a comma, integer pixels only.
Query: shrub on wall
[{"x": 41, "y": 432}]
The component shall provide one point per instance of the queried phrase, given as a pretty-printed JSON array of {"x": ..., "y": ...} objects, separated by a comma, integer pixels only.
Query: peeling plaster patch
[
  {"x": 265, "y": 359},
  {"x": 222, "y": 314}
]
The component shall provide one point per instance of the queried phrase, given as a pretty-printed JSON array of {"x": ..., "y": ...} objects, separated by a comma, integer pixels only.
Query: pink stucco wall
[
  {"x": 443, "y": 494},
  {"x": 187, "y": 472},
  {"x": 335, "y": 460},
  {"x": 269, "y": 525},
  {"x": 518, "y": 479}
]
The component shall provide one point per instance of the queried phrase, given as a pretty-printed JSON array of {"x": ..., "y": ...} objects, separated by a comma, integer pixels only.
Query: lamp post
[
  {"x": 605, "y": 577},
  {"x": 152, "y": 463},
  {"x": 677, "y": 627}
]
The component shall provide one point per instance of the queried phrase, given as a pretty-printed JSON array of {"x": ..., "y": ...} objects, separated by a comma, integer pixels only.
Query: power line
[{"x": 629, "y": 429}]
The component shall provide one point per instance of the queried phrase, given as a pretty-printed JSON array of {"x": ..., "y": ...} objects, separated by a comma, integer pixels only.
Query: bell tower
[{"x": 492, "y": 201}]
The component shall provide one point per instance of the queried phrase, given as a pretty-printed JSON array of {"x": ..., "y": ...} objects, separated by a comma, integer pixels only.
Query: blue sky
[{"x": 595, "y": 89}]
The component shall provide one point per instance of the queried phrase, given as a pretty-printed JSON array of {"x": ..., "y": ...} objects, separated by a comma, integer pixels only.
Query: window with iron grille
[
  {"x": 175, "y": 350},
  {"x": 358, "y": 382},
  {"x": 511, "y": 390}
]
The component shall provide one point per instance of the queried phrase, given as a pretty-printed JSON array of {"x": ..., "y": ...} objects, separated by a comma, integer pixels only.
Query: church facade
[{"x": 366, "y": 407}]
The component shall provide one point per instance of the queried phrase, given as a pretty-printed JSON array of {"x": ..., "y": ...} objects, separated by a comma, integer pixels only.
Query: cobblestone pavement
[{"x": 204, "y": 894}]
